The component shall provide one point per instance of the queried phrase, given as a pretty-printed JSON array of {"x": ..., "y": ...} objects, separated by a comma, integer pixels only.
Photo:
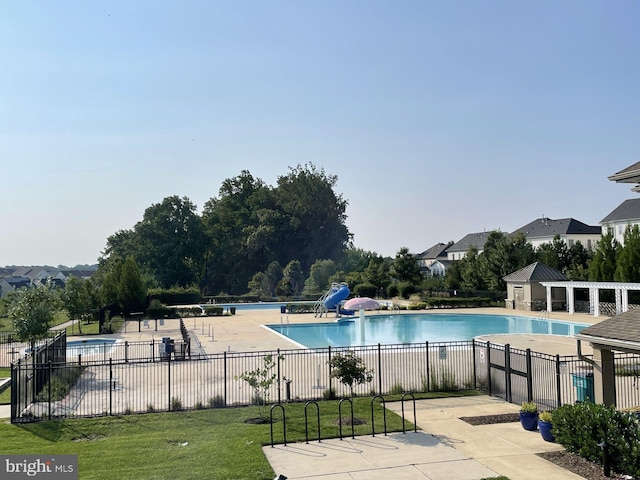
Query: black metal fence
[
  {"x": 139, "y": 377},
  {"x": 28, "y": 378}
]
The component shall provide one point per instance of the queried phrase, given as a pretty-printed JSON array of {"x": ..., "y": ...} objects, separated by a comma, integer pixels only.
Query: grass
[
  {"x": 214, "y": 443},
  {"x": 5, "y": 396}
]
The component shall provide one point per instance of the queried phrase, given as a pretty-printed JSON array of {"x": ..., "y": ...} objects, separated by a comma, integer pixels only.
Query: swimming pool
[
  {"x": 416, "y": 328},
  {"x": 94, "y": 346}
]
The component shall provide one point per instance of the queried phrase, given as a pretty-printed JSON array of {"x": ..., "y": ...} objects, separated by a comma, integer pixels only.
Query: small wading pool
[
  {"x": 94, "y": 346},
  {"x": 416, "y": 328}
]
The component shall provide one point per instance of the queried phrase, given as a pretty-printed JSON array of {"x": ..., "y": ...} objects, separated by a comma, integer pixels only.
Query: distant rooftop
[{"x": 548, "y": 227}]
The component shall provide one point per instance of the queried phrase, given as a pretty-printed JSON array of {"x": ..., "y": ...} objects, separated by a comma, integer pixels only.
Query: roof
[
  {"x": 630, "y": 174},
  {"x": 622, "y": 331},
  {"x": 536, "y": 272},
  {"x": 438, "y": 250},
  {"x": 17, "y": 282},
  {"x": 627, "y": 210},
  {"x": 548, "y": 227},
  {"x": 476, "y": 240}
]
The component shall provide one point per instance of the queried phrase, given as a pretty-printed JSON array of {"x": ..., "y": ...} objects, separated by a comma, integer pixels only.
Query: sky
[{"x": 438, "y": 118}]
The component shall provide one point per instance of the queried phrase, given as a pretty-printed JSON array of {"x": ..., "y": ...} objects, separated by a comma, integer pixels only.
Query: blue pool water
[
  {"x": 94, "y": 346},
  {"x": 415, "y": 328}
]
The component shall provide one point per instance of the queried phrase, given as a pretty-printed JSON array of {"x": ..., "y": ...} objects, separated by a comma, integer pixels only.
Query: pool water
[
  {"x": 416, "y": 328},
  {"x": 95, "y": 346}
]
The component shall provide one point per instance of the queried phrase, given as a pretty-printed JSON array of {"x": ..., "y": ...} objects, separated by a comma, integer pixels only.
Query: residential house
[
  {"x": 439, "y": 268},
  {"x": 9, "y": 284},
  {"x": 628, "y": 175},
  {"x": 458, "y": 250},
  {"x": 426, "y": 258},
  {"x": 544, "y": 230},
  {"x": 627, "y": 213}
]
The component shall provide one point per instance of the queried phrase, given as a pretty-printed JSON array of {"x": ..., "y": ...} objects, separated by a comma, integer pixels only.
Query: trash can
[
  {"x": 584, "y": 387},
  {"x": 283, "y": 309},
  {"x": 232, "y": 310}
]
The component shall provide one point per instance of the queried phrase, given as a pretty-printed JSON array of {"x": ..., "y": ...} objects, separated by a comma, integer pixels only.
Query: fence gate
[{"x": 509, "y": 373}]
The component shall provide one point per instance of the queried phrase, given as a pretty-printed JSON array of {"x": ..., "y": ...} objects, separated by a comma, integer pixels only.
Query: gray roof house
[
  {"x": 630, "y": 174},
  {"x": 620, "y": 333},
  {"x": 627, "y": 213},
  {"x": 524, "y": 291},
  {"x": 544, "y": 229},
  {"x": 9, "y": 284},
  {"x": 458, "y": 250},
  {"x": 430, "y": 255}
]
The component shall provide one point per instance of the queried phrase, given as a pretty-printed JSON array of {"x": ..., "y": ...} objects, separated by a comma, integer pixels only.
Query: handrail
[
  {"x": 384, "y": 416},
  {"x": 415, "y": 422},
  {"x": 306, "y": 420},
  {"x": 284, "y": 423},
  {"x": 353, "y": 433}
]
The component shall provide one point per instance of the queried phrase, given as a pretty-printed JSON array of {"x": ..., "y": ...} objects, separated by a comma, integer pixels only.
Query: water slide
[
  {"x": 338, "y": 294},
  {"x": 330, "y": 301}
]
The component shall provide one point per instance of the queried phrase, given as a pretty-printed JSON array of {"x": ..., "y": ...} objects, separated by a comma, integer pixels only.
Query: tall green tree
[
  {"x": 292, "y": 279},
  {"x": 171, "y": 242},
  {"x": 131, "y": 290},
  {"x": 32, "y": 310},
  {"x": 405, "y": 267},
  {"x": 241, "y": 225},
  {"x": 603, "y": 265},
  {"x": 628, "y": 260},
  {"x": 314, "y": 217},
  {"x": 318, "y": 281},
  {"x": 471, "y": 270},
  {"x": 503, "y": 255},
  {"x": 79, "y": 299}
]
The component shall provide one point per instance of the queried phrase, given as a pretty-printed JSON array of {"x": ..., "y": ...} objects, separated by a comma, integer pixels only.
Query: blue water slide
[{"x": 339, "y": 294}]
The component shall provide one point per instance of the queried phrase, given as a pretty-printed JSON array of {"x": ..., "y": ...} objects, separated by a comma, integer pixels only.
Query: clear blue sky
[{"x": 439, "y": 118}]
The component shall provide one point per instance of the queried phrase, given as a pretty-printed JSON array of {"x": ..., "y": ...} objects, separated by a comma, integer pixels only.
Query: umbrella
[{"x": 361, "y": 303}]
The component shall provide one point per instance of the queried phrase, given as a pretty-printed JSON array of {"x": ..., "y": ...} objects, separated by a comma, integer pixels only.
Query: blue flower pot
[
  {"x": 545, "y": 431},
  {"x": 529, "y": 420}
]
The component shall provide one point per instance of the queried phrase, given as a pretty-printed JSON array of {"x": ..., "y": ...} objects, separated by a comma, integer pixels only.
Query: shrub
[
  {"x": 176, "y": 404},
  {"x": 445, "y": 382},
  {"x": 212, "y": 310},
  {"x": 546, "y": 416},
  {"x": 396, "y": 389},
  {"x": 329, "y": 394},
  {"x": 365, "y": 290},
  {"x": 60, "y": 383},
  {"x": 581, "y": 427},
  {"x": 529, "y": 407},
  {"x": 158, "y": 310},
  {"x": 216, "y": 402}
]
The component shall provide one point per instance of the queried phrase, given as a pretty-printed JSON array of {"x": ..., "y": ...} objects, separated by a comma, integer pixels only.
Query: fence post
[
  {"x": 279, "y": 390},
  {"x": 428, "y": 378},
  {"x": 110, "y": 386},
  {"x": 558, "y": 386},
  {"x": 379, "y": 370},
  {"x": 475, "y": 365},
  {"x": 329, "y": 363},
  {"x": 224, "y": 368},
  {"x": 489, "y": 367},
  {"x": 169, "y": 381},
  {"x": 49, "y": 387},
  {"x": 507, "y": 371},
  {"x": 529, "y": 377}
]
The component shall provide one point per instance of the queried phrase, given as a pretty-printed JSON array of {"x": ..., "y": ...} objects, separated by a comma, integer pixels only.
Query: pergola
[{"x": 621, "y": 290}]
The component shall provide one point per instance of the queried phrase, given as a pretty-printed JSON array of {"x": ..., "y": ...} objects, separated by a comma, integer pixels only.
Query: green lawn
[
  {"x": 5, "y": 396},
  {"x": 214, "y": 443}
]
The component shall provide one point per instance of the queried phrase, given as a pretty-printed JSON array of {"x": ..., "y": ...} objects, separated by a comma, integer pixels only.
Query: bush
[
  {"x": 60, "y": 384},
  {"x": 365, "y": 290},
  {"x": 581, "y": 427},
  {"x": 176, "y": 295},
  {"x": 158, "y": 310},
  {"x": 213, "y": 311},
  {"x": 392, "y": 290},
  {"x": 406, "y": 289}
]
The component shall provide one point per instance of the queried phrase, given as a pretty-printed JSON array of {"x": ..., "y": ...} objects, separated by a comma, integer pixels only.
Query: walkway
[{"x": 446, "y": 448}]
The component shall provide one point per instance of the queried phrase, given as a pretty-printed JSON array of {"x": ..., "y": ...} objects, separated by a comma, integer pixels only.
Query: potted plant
[
  {"x": 529, "y": 415},
  {"x": 545, "y": 426}
]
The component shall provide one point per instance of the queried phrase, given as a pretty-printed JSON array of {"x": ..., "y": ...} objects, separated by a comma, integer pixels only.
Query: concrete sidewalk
[{"x": 446, "y": 448}]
